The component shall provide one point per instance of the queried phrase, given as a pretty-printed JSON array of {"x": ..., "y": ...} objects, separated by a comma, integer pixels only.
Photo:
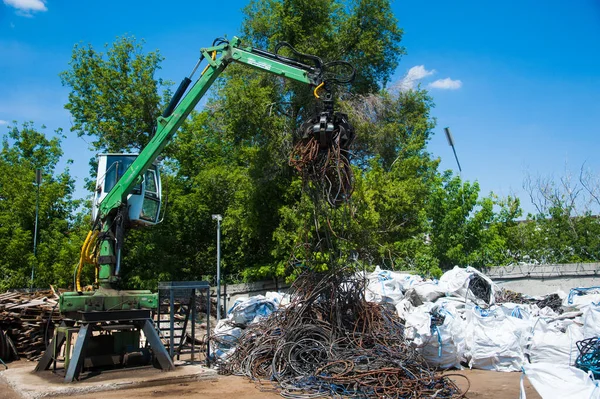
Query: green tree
[
  {"x": 365, "y": 33},
  {"x": 467, "y": 230},
  {"x": 23, "y": 151},
  {"x": 250, "y": 119},
  {"x": 564, "y": 228},
  {"x": 115, "y": 100},
  {"x": 398, "y": 175},
  {"x": 114, "y": 95}
]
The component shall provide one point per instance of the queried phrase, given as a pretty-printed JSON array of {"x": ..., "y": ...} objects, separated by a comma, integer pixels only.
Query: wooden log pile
[{"x": 27, "y": 323}]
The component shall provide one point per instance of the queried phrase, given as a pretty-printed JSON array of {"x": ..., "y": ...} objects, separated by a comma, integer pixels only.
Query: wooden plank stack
[{"x": 28, "y": 320}]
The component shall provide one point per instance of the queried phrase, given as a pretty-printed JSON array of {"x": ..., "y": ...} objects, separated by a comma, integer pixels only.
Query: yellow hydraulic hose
[
  {"x": 89, "y": 255},
  {"x": 86, "y": 256},
  {"x": 214, "y": 57},
  {"x": 317, "y": 89},
  {"x": 80, "y": 264}
]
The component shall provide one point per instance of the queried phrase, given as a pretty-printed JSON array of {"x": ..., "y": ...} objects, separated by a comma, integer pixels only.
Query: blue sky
[{"x": 518, "y": 82}]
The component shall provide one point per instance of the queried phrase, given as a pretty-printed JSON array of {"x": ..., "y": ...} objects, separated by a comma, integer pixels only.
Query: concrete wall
[
  {"x": 545, "y": 279},
  {"x": 527, "y": 279}
]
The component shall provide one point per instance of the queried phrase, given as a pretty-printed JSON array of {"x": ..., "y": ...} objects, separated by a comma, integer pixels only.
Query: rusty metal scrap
[
  {"x": 330, "y": 342},
  {"x": 553, "y": 301},
  {"x": 323, "y": 158}
]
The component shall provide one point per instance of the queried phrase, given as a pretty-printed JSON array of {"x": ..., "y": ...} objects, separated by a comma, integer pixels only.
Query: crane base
[
  {"x": 124, "y": 325},
  {"x": 104, "y": 299}
]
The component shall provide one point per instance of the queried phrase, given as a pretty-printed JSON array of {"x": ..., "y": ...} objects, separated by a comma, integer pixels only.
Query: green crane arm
[
  {"x": 167, "y": 126},
  {"x": 218, "y": 57}
]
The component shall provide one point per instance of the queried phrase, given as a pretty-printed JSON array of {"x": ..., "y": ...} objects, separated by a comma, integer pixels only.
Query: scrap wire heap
[
  {"x": 589, "y": 356},
  {"x": 553, "y": 301},
  {"x": 330, "y": 342},
  {"x": 321, "y": 155},
  {"x": 437, "y": 319},
  {"x": 480, "y": 288}
]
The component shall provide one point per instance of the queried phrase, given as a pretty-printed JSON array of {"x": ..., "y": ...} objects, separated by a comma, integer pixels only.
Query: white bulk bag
[
  {"x": 550, "y": 345},
  {"x": 495, "y": 341},
  {"x": 553, "y": 381}
]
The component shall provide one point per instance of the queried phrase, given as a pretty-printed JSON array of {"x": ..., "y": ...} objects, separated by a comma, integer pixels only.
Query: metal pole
[
  {"x": 38, "y": 180},
  {"x": 193, "y": 304},
  {"x": 451, "y": 144},
  {"x": 208, "y": 327},
  {"x": 225, "y": 296},
  {"x": 172, "y": 322},
  {"x": 218, "y": 218},
  {"x": 218, "y": 269}
]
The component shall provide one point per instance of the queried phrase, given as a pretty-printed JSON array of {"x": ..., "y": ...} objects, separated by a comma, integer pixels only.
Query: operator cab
[{"x": 145, "y": 199}]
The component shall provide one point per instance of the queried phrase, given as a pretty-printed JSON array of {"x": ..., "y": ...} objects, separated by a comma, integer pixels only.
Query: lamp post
[
  {"x": 451, "y": 144},
  {"x": 218, "y": 218},
  {"x": 38, "y": 180}
]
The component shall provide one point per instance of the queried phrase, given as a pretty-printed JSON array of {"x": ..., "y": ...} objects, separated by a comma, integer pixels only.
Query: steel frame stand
[
  {"x": 141, "y": 319},
  {"x": 184, "y": 291}
]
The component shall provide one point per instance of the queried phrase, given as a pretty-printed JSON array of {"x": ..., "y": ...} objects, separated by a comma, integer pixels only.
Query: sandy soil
[
  {"x": 5, "y": 391},
  {"x": 484, "y": 385},
  {"x": 493, "y": 384}
]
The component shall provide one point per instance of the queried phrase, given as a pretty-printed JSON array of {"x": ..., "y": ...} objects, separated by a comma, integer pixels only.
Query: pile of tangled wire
[
  {"x": 321, "y": 155},
  {"x": 504, "y": 296},
  {"x": 437, "y": 318},
  {"x": 552, "y": 301},
  {"x": 330, "y": 342},
  {"x": 480, "y": 288},
  {"x": 589, "y": 356}
]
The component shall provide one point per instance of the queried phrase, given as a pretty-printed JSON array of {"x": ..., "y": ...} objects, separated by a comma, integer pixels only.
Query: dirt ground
[{"x": 484, "y": 385}]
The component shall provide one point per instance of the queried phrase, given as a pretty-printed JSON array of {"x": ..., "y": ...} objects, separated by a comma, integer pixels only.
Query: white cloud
[
  {"x": 3, "y": 122},
  {"x": 418, "y": 72},
  {"x": 412, "y": 77},
  {"x": 446, "y": 84},
  {"x": 26, "y": 7}
]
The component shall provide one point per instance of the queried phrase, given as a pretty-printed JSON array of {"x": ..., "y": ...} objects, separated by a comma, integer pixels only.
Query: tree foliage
[
  {"x": 365, "y": 33},
  {"x": 231, "y": 158},
  {"x": 467, "y": 230},
  {"x": 114, "y": 95},
  {"x": 564, "y": 229},
  {"x": 24, "y": 149},
  {"x": 243, "y": 137}
]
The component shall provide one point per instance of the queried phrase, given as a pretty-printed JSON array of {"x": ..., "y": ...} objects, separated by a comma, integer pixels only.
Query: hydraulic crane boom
[
  {"x": 167, "y": 126},
  {"x": 111, "y": 216},
  {"x": 124, "y": 314}
]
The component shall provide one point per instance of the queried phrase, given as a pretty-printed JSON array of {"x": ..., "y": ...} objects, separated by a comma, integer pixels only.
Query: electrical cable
[
  {"x": 330, "y": 342},
  {"x": 589, "y": 356}
]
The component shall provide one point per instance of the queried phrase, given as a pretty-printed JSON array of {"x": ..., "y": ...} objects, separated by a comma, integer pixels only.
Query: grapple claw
[{"x": 321, "y": 154}]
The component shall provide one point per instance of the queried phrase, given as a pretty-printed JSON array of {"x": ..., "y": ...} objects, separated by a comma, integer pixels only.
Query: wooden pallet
[{"x": 28, "y": 320}]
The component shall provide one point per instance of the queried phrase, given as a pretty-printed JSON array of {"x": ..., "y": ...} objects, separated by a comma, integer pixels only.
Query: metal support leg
[
  {"x": 50, "y": 354},
  {"x": 85, "y": 331},
  {"x": 164, "y": 360},
  {"x": 158, "y": 321}
]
